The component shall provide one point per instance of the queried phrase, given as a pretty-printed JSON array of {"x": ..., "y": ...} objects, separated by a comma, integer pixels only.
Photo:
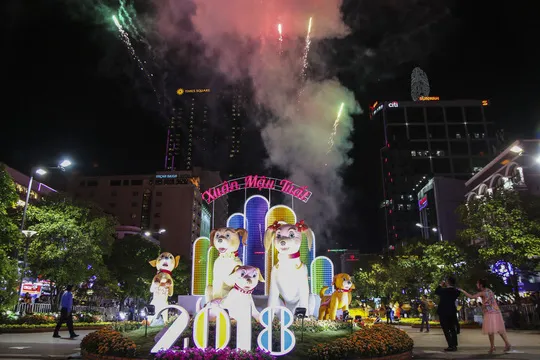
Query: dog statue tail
[{"x": 323, "y": 290}]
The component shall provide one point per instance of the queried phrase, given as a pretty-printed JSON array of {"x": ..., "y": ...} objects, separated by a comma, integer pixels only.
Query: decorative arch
[
  {"x": 470, "y": 196},
  {"x": 482, "y": 189},
  {"x": 511, "y": 168},
  {"x": 497, "y": 181}
]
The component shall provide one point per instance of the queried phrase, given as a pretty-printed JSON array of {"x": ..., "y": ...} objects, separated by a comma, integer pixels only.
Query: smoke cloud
[{"x": 242, "y": 37}]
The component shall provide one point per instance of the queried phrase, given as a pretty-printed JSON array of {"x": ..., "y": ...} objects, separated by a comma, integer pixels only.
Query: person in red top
[{"x": 493, "y": 321}]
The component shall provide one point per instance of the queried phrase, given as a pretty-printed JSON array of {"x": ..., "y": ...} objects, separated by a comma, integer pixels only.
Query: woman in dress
[{"x": 493, "y": 320}]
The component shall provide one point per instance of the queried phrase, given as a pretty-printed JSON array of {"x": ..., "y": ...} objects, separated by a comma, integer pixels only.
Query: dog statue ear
[
  {"x": 235, "y": 268},
  {"x": 243, "y": 234},
  {"x": 269, "y": 236},
  {"x": 309, "y": 236},
  {"x": 176, "y": 261},
  {"x": 153, "y": 263},
  {"x": 212, "y": 233},
  {"x": 261, "y": 279}
]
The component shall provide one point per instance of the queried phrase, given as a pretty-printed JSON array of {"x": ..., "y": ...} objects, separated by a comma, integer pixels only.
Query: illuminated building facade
[
  {"x": 438, "y": 201},
  {"x": 169, "y": 200},
  {"x": 422, "y": 139},
  {"x": 206, "y": 129}
]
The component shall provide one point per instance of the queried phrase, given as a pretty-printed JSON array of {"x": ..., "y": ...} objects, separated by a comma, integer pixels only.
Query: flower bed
[
  {"x": 374, "y": 341},
  {"x": 213, "y": 354},
  {"x": 108, "y": 342}
]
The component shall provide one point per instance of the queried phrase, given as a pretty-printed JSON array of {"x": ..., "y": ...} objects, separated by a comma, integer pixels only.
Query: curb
[{"x": 49, "y": 329}]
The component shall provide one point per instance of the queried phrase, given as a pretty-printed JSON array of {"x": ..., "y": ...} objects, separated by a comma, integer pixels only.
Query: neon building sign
[
  {"x": 429, "y": 98},
  {"x": 422, "y": 203},
  {"x": 257, "y": 182}
]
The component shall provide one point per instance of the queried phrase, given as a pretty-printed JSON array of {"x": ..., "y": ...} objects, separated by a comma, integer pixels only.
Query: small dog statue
[
  {"x": 227, "y": 242},
  {"x": 340, "y": 299},
  {"x": 239, "y": 298},
  {"x": 162, "y": 285},
  {"x": 289, "y": 277}
]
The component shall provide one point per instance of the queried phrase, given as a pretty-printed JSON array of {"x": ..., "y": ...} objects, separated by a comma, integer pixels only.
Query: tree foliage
[
  {"x": 415, "y": 268},
  {"x": 71, "y": 242},
  {"x": 10, "y": 239},
  {"x": 129, "y": 267},
  {"x": 501, "y": 228}
]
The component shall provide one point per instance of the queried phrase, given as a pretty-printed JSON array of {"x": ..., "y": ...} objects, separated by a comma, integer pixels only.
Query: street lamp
[
  {"x": 434, "y": 229},
  {"x": 28, "y": 233}
]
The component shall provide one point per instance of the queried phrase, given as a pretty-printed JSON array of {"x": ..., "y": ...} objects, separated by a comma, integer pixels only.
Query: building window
[
  {"x": 157, "y": 215},
  {"x": 158, "y": 204},
  {"x": 135, "y": 193},
  {"x": 413, "y": 153},
  {"x": 115, "y": 182},
  {"x": 134, "y": 204},
  {"x": 159, "y": 193},
  {"x": 136, "y": 182},
  {"x": 112, "y": 205},
  {"x": 114, "y": 193}
]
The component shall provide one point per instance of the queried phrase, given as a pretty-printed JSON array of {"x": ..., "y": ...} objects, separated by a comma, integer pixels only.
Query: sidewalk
[
  {"x": 40, "y": 345},
  {"x": 474, "y": 345}
]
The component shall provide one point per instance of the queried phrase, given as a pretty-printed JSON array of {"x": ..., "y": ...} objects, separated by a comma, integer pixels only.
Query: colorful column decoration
[
  {"x": 200, "y": 265},
  {"x": 307, "y": 255},
  {"x": 255, "y": 210},
  {"x": 237, "y": 221},
  {"x": 322, "y": 274},
  {"x": 282, "y": 214}
]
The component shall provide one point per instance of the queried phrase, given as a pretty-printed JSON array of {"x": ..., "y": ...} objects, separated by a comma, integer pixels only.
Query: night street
[
  {"x": 473, "y": 345},
  {"x": 40, "y": 345}
]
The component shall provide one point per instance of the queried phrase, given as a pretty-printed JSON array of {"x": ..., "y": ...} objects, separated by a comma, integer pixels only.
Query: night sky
[{"x": 72, "y": 88}]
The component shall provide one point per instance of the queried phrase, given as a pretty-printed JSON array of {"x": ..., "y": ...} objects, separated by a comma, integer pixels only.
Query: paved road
[
  {"x": 474, "y": 345},
  {"x": 40, "y": 345}
]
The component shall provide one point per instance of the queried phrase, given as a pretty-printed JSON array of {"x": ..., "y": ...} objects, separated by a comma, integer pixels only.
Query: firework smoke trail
[
  {"x": 127, "y": 21},
  {"x": 334, "y": 129},
  {"x": 305, "y": 61},
  {"x": 295, "y": 137},
  {"x": 125, "y": 39},
  {"x": 280, "y": 38},
  {"x": 306, "y": 51}
]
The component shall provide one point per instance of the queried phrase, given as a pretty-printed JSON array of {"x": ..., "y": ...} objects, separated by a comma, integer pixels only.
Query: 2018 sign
[{"x": 223, "y": 329}]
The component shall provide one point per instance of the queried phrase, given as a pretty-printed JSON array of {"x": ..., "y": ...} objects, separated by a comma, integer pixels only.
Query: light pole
[
  {"x": 433, "y": 229},
  {"x": 28, "y": 233},
  {"x": 148, "y": 233}
]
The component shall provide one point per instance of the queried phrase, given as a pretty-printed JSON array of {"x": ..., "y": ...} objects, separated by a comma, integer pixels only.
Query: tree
[
  {"x": 71, "y": 242},
  {"x": 182, "y": 278},
  {"x": 500, "y": 228},
  {"x": 10, "y": 240},
  {"x": 129, "y": 267}
]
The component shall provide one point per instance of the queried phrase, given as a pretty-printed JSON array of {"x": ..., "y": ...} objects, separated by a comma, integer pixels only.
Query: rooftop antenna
[{"x": 419, "y": 84}]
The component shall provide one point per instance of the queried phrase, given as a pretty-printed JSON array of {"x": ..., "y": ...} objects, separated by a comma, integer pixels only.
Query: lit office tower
[
  {"x": 423, "y": 139},
  {"x": 188, "y": 132}
]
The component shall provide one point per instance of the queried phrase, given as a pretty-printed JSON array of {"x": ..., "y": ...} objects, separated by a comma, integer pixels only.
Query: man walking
[
  {"x": 446, "y": 310},
  {"x": 424, "y": 308},
  {"x": 66, "y": 305}
]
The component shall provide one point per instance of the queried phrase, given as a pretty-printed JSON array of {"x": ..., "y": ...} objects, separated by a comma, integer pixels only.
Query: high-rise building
[
  {"x": 205, "y": 129},
  {"x": 168, "y": 200},
  {"x": 423, "y": 139}
]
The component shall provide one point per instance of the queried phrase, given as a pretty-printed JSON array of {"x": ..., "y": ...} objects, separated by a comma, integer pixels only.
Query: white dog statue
[
  {"x": 163, "y": 285},
  {"x": 227, "y": 242},
  {"x": 239, "y": 298},
  {"x": 289, "y": 277}
]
